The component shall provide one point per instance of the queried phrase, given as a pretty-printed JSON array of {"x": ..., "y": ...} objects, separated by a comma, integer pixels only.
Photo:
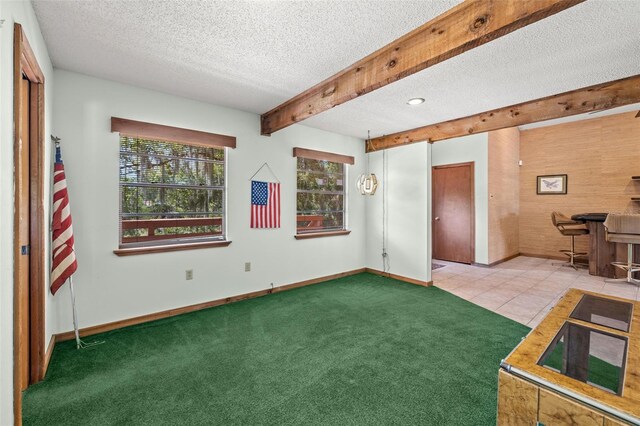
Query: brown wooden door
[
  {"x": 22, "y": 226},
  {"x": 453, "y": 213}
]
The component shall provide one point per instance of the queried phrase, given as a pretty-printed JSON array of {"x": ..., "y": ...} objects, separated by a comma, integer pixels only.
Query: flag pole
[
  {"x": 79, "y": 343},
  {"x": 75, "y": 314},
  {"x": 62, "y": 222}
]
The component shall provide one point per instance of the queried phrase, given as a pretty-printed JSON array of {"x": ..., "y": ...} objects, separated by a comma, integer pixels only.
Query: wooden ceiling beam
[
  {"x": 462, "y": 28},
  {"x": 600, "y": 97}
]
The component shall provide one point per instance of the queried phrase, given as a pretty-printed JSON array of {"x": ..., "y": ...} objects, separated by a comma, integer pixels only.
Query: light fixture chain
[
  {"x": 367, "y": 145},
  {"x": 385, "y": 256}
]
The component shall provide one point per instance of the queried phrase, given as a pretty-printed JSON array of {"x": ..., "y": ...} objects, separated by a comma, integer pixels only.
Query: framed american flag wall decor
[
  {"x": 265, "y": 204},
  {"x": 265, "y": 200},
  {"x": 551, "y": 184}
]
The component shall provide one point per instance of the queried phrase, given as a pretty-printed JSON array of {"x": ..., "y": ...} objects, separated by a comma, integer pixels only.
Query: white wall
[
  {"x": 22, "y": 13},
  {"x": 406, "y": 186},
  {"x": 465, "y": 149},
  {"x": 111, "y": 288}
]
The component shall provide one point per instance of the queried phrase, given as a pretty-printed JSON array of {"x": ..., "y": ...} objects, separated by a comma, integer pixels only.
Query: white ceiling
[{"x": 253, "y": 55}]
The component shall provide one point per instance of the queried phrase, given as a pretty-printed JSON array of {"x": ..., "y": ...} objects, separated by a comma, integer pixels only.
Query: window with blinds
[
  {"x": 320, "y": 196},
  {"x": 170, "y": 193}
]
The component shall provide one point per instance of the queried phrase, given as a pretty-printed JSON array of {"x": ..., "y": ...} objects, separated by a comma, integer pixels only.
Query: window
[
  {"x": 172, "y": 192},
  {"x": 321, "y": 195}
]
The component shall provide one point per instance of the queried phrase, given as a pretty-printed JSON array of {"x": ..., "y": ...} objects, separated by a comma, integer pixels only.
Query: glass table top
[
  {"x": 605, "y": 312},
  {"x": 588, "y": 355}
]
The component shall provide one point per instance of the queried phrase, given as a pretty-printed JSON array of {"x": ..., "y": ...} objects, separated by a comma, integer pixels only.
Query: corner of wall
[
  {"x": 402, "y": 227},
  {"x": 504, "y": 193}
]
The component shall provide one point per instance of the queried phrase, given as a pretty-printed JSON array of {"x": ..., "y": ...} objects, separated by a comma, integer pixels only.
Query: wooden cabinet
[
  {"x": 608, "y": 421},
  {"x": 517, "y": 401},
  {"x": 554, "y": 409},
  {"x": 523, "y": 403},
  {"x": 542, "y": 381}
]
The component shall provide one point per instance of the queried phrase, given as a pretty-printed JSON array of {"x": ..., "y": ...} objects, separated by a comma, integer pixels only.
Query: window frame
[
  {"x": 160, "y": 133},
  {"x": 334, "y": 158}
]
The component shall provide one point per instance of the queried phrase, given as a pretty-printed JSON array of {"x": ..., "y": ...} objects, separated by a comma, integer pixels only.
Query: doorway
[
  {"x": 29, "y": 226},
  {"x": 453, "y": 223}
]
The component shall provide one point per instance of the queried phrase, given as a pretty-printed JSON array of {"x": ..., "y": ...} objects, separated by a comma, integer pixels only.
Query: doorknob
[{"x": 437, "y": 217}]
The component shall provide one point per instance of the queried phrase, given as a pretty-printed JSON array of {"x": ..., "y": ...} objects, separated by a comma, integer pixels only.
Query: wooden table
[{"x": 529, "y": 392}]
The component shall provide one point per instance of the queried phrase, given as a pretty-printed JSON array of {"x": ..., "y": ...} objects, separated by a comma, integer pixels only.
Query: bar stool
[
  {"x": 570, "y": 228},
  {"x": 625, "y": 229}
]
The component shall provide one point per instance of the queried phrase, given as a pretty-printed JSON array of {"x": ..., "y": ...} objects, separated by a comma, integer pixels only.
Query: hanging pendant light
[{"x": 367, "y": 183}]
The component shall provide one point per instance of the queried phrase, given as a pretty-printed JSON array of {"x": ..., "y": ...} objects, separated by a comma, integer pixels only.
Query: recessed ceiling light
[{"x": 415, "y": 101}]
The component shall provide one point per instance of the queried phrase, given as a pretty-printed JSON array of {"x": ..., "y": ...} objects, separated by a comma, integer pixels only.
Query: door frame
[
  {"x": 25, "y": 63},
  {"x": 471, "y": 165}
]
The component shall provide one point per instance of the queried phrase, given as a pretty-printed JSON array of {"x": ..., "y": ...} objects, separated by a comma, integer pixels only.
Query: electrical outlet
[
  {"x": 189, "y": 274},
  {"x": 247, "y": 266}
]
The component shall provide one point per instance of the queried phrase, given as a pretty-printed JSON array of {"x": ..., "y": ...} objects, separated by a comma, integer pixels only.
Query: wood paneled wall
[
  {"x": 599, "y": 156},
  {"x": 504, "y": 194}
]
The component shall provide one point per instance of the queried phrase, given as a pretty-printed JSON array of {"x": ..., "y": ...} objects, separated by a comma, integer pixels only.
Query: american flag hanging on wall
[
  {"x": 265, "y": 204},
  {"x": 64, "y": 262}
]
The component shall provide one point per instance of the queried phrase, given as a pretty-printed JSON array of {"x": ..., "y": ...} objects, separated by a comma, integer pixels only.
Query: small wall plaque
[{"x": 551, "y": 184}]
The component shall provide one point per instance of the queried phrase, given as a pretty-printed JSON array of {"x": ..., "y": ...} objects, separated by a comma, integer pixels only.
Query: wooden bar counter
[
  {"x": 580, "y": 366},
  {"x": 601, "y": 251}
]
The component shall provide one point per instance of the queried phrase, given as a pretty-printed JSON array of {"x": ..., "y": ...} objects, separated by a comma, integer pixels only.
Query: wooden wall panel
[
  {"x": 599, "y": 156},
  {"x": 556, "y": 410},
  {"x": 517, "y": 401},
  {"x": 612, "y": 422},
  {"x": 504, "y": 193}
]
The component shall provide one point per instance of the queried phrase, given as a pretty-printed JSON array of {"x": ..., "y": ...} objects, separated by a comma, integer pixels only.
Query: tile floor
[{"x": 523, "y": 289}]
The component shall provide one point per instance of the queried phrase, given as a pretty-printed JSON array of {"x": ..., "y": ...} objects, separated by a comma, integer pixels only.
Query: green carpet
[{"x": 358, "y": 350}]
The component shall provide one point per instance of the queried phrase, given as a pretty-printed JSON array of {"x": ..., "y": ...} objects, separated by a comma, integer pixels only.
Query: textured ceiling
[
  {"x": 254, "y": 55},
  {"x": 249, "y": 55},
  {"x": 591, "y": 43}
]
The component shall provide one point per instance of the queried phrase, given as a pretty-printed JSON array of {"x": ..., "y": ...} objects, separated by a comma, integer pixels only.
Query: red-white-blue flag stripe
[
  {"x": 64, "y": 262},
  {"x": 265, "y": 204}
]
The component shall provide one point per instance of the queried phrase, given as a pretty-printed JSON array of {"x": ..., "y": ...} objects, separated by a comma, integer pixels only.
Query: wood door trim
[
  {"x": 37, "y": 232},
  {"x": 25, "y": 63},
  {"x": 448, "y": 166},
  {"x": 472, "y": 174},
  {"x": 27, "y": 59}
]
